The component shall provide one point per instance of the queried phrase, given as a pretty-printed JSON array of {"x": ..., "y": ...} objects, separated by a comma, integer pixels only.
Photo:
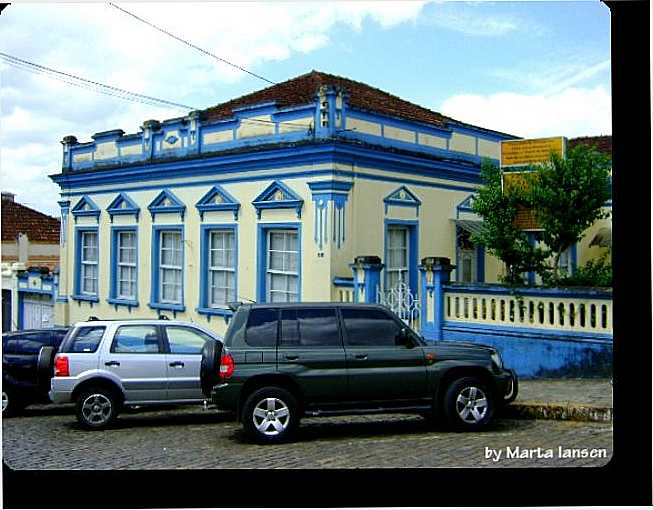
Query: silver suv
[{"x": 103, "y": 366}]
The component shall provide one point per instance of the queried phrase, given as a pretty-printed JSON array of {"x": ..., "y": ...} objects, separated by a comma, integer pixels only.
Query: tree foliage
[
  {"x": 499, "y": 234},
  {"x": 567, "y": 196}
]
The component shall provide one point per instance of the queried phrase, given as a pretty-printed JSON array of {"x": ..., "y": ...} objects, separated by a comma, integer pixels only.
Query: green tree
[
  {"x": 567, "y": 196},
  {"x": 499, "y": 234}
]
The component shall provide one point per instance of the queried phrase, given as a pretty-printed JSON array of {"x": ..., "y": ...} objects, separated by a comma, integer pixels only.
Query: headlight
[{"x": 496, "y": 357}]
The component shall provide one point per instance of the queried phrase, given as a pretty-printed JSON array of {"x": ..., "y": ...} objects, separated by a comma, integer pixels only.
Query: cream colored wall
[
  {"x": 316, "y": 271},
  {"x": 584, "y": 251},
  {"x": 363, "y": 126},
  {"x": 249, "y": 127},
  {"x": 463, "y": 143}
]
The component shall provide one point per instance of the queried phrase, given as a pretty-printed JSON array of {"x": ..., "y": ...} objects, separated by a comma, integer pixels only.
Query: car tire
[
  {"x": 12, "y": 404},
  {"x": 45, "y": 366},
  {"x": 270, "y": 415},
  {"x": 210, "y": 366},
  {"x": 97, "y": 408},
  {"x": 468, "y": 404}
]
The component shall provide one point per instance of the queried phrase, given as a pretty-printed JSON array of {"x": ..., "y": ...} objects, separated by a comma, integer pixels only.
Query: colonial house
[
  {"x": 30, "y": 254},
  {"x": 267, "y": 197}
]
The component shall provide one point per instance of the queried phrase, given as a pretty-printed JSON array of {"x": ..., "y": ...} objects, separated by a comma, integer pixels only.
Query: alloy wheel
[
  {"x": 96, "y": 409},
  {"x": 471, "y": 404},
  {"x": 5, "y": 401},
  {"x": 271, "y": 416}
]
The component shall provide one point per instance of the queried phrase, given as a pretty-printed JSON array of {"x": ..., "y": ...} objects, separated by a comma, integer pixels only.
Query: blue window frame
[
  {"x": 279, "y": 262},
  {"x": 401, "y": 253},
  {"x": 219, "y": 268},
  {"x": 123, "y": 285},
  {"x": 167, "y": 258},
  {"x": 87, "y": 262}
]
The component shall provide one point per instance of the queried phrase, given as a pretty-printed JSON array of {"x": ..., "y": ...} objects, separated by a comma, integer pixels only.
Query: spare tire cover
[
  {"x": 45, "y": 365},
  {"x": 210, "y": 366}
]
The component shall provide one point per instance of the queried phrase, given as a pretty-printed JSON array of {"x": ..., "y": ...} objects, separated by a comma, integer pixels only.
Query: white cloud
[
  {"x": 103, "y": 44},
  {"x": 572, "y": 112}
]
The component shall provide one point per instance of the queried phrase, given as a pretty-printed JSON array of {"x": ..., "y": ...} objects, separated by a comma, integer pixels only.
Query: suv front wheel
[
  {"x": 97, "y": 408},
  {"x": 270, "y": 415},
  {"x": 468, "y": 404}
]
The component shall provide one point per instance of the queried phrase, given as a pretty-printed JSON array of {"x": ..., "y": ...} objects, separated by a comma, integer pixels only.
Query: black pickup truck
[{"x": 280, "y": 362}]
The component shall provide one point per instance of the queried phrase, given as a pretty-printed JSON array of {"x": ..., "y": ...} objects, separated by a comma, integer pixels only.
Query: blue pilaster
[
  {"x": 371, "y": 267},
  {"x": 435, "y": 272}
]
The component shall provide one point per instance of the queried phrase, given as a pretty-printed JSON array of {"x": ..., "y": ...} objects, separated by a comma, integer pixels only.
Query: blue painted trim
[
  {"x": 519, "y": 332},
  {"x": 113, "y": 265},
  {"x": 261, "y": 255},
  {"x": 176, "y": 207},
  {"x": 290, "y": 199},
  {"x": 37, "y": 291},
  {"x": 413, "y": 250},
  {"x": 83, "y": 202},
  {"x": 205, "y": 231},
  {"x": 343, "y": 282},
  {"x": 77, "y": 294},
  {"x": 115, "y": 207},
  {"x": 81, "y": 297},
  {"x": 229, "y": 203},
  {"x": 411, "y": 201},
  {"x": 331, "y": 185},
  {"x": 489, "y": 288},
  {"x": 289, "y": 175},
  {"x": 480, "y": 263},
  {"x": 399, "y": 122},
  {"x": 330, "y": 153},
  {"x": 574, "y": 257},
  {"x": 155, "y": 302}
]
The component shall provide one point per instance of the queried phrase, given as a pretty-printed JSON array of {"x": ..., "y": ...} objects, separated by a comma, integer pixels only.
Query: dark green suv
[{"x": 280, "y": 362}]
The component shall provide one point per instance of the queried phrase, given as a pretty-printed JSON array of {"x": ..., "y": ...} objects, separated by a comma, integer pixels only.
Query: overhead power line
[
  {"x": 99, "y": 87},
  {"x": 109, "y": 90},
  {"x": 190, "y": 44}
]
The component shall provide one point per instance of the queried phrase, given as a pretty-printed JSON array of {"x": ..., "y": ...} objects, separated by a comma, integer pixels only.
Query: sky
[{"x": 527, "y": 68}]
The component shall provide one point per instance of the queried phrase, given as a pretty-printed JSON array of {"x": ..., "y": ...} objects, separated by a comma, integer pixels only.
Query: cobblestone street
[{"x": 47, "y": 437}]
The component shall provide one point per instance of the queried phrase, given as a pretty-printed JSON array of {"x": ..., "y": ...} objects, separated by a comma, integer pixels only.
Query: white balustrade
[{"x": 534, "y": 311}]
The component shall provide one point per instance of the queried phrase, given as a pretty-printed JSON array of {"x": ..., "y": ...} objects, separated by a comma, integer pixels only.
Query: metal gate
[
  {"x": 403, "y": 302},
  {"x": 38, "y": 311}
]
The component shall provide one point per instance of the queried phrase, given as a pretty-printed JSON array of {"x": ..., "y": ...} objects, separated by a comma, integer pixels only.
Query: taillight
[
  {"x": 227, "y": 366},
  {"x": 61, "y": 366}
]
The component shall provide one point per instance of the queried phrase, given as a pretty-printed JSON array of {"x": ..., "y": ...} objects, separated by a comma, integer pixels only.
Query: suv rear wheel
[
  {"x": 468, "y": 404},
  {"x": 11, "y": 404},
  {"x": 97, "y": 408},
  {"x": 270, "y": 415}
]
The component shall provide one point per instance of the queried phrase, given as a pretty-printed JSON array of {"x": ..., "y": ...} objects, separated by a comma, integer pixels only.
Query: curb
[{"x": 557, "y": 411}]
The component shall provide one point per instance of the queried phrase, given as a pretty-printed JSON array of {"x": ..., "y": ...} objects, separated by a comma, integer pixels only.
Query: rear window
[
  {"x": 309, "y": 327},
  {"x": 262, "y": 327},
  {"x": 84, "y": 339}
]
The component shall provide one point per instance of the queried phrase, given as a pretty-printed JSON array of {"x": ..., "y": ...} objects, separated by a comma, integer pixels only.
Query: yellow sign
[{"x": 529, "y": 152}]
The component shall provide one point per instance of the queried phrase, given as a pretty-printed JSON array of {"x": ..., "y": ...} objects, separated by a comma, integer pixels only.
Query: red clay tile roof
[
  {"x": 602, "y": 143},
  {"x": 302, "y": 90},
  {"x": 39, "y": 227}
]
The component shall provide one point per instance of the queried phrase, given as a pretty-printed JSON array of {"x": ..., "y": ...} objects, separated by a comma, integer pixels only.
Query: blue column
[{"x": 367, "y": 278}]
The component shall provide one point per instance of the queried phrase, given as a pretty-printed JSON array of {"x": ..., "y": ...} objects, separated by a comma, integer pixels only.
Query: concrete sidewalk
[{"x": 563, "y": 399}]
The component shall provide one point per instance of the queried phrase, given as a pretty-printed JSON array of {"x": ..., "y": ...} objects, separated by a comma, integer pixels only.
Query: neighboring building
[
  {"x": 30, "y": 254},
  {"x": 268, "y": 197},
  {"x": 598, "y": 238}
]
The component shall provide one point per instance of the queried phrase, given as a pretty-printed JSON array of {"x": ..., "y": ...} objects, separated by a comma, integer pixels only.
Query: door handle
[
  {"x": 292, "y": 357},
  {"x": 360, "y": 356},
  {"x": 177, "y": 364},
  {"x": 112, "y": 363}
]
